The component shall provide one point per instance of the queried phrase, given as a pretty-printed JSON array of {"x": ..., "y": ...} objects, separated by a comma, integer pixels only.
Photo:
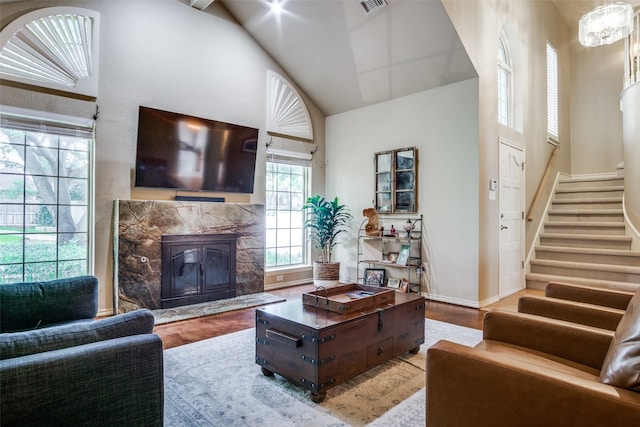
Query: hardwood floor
[{"x": 187, "y": 331}]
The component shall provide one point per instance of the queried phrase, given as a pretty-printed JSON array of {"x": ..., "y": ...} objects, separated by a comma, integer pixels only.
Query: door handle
[{"x": 503, "y": 227}]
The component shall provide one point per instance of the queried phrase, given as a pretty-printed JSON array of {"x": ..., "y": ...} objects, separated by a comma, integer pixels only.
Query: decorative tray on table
[{"x": 348, "y": 298}]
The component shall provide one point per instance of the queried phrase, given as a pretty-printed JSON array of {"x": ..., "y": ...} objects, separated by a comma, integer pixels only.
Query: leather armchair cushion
[
  {"x": 19, "y": 344},
  {"x": 621, "y": 366}
]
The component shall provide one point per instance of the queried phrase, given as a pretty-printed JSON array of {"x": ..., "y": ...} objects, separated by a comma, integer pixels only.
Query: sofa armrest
[
  {"x": 606, "y": 297},
  {"x": 104, "y": 383},
  {"x": 18, "y": 344},
  {"x": 585, "y": 314},
  {"x": 471, "y": 387},
  {"x": 582, "y": 344},
  {"x": 32, "y": 305}
]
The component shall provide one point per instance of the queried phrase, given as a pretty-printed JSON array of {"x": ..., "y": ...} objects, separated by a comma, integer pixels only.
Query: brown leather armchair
[{"x": 535, "y": 371}]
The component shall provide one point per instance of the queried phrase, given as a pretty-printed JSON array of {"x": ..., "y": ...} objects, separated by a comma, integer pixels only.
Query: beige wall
[
  {"x": 167, "y": 55},
  {"x": 631, "y": 124},
  {"x": 529, "y": 25},
  {"x": 596, "y": 119},
  {"x": 443, "y": 124}
]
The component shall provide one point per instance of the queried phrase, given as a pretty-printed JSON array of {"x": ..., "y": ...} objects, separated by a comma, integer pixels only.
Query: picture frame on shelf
[
  {"x": 374, "y": 276},
  {"x": 403, "y": 255},
  {"x": 393, "y": 283},
  {"x": 404, "y": 285}
]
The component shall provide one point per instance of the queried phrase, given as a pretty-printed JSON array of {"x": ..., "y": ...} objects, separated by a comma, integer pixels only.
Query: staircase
[{"x": 584, "y": 239}]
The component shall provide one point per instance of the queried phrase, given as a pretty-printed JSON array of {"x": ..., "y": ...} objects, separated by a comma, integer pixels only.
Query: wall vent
[{"x": 371, "y": 6}]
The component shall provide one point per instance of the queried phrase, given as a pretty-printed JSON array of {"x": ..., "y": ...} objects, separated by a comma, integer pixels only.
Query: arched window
[{"x": 505, "y": 83}]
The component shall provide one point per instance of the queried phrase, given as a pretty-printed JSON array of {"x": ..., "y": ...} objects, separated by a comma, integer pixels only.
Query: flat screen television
[{"x": 190, "y": 153}]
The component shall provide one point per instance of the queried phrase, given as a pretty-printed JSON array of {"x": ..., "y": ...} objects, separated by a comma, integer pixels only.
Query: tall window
[
  {"x": 45, "y": 199},
  {"x": 287, "y": 182},
  {"x": 505, "y": 83},
  {"x": 552, "y": 91}
]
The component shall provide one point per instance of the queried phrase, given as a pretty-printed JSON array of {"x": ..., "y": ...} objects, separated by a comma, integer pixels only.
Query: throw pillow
[
  {"x": 19, "y": 344},
  {"x": 621, "y": 366}
]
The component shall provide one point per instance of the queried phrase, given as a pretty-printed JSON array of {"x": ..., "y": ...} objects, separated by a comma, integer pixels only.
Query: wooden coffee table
[{"x": 318, "y": 349}]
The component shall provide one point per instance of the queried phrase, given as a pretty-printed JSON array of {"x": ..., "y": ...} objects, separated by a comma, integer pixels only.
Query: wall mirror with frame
[{"x": 396, "y": 181}]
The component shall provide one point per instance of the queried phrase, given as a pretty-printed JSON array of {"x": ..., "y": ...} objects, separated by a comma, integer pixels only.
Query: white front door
[{"x": 511, "y": 225}]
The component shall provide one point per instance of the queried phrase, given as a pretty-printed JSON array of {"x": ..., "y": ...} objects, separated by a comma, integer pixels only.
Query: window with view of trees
[
  {"x": 285, "y": 196},
  {"x": 44, "y": 199}
]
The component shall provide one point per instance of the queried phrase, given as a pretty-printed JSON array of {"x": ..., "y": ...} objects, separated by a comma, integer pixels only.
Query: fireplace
[{"x": 197, "y": 268}]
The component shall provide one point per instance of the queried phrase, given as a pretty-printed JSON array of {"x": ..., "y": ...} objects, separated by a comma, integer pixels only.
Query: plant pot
[{"x": 326, "y": 274}]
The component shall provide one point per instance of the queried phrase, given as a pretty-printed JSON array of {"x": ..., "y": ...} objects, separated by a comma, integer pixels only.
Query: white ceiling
[{"x": 344, "y": 59}]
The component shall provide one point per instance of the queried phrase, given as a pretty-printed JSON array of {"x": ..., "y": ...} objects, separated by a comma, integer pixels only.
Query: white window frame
[
  {"x": 303, "y": 161},
  {"x": 552, "y": 92},
  {"x": 40, "y": 118},
  {"x": 505, "y": 69}
]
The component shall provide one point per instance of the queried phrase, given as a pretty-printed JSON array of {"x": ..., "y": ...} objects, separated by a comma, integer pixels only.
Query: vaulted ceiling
[{"x": 344, "y": 58}]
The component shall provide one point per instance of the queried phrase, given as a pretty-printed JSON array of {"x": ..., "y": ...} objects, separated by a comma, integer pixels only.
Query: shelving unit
[{"x": 379, "y": 252}]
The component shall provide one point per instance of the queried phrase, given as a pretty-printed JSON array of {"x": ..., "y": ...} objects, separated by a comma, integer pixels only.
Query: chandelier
[{"x": 606, "y": 24}]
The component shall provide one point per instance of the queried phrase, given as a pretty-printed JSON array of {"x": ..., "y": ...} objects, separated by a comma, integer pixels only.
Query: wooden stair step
[
  {"x": 586, "y": 240},
  {"x": 617, "y": 273},
  {"x": 606, "y": 215},
  {"x": 587, "y": 203},
  {"x": 538, "y": 281},
  {"x": 585, "y": 227},
  {"x": 592, "y": 255},
  {"x": 590, "y": 182}
]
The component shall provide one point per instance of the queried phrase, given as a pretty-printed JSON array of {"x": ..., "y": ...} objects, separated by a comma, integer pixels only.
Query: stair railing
[
  {"x": 543, "y": 182},
  {"x": 632, "y": 53}
]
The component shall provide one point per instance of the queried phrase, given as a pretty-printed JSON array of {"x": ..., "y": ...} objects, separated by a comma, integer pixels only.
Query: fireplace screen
[{"x": 198, "y": 268}]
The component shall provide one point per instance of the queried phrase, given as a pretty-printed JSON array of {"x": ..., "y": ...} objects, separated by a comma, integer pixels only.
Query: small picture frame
[
  {"x": 404, "y": 285},
  {"x": 393, "y": 283},
  {"x": 403, "y": 255},
  {"x": 374, "y": 276}
]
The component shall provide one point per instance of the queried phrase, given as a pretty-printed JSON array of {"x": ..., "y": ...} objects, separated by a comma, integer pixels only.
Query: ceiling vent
[
  {"x": 201, "y": 4},
  {"x": 371, "y": 6}
]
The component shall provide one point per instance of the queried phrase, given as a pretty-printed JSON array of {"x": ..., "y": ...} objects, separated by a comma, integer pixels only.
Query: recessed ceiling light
[{"x": 276, "y": 7}]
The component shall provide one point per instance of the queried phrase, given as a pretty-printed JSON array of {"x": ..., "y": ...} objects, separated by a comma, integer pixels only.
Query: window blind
[{"x": 41, "y": 125}]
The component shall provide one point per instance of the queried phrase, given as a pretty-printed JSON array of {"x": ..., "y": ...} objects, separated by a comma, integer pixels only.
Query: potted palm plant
[{"x": 326, "y": 220}]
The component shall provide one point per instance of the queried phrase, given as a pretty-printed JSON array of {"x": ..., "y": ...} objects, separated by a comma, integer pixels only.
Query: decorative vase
[
  {"x": 326, "y": 274},
  {"x": 408, "y": 227}
]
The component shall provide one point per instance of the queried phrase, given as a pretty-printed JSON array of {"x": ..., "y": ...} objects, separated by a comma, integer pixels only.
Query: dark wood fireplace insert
[{"x": 197, "y": 268}]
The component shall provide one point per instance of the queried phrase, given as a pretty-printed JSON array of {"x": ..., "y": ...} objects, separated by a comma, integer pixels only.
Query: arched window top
[
  {"x": 505, "y": 83},
  {"x": 504, "y": 58},
  {"x": 287, "y": 113},
  {"x": 502, "y": 53},
  {"x": 54, "y": 47}
]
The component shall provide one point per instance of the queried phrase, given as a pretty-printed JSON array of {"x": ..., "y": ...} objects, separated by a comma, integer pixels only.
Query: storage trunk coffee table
[{"x": 335, "y": 334}]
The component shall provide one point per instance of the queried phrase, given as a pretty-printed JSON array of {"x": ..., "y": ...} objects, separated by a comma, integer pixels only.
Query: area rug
[
  {"x": 167, "y": 315},
  {"x": 216, "y": 382}
]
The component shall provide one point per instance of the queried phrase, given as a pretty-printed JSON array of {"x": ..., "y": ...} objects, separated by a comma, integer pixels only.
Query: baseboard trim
[
  {"x": 281, "y": 285},
  {"x": 450, "y": 300}
]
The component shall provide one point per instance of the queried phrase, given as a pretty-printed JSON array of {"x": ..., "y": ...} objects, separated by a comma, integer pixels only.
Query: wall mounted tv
[{"x": 189, "y": 153}]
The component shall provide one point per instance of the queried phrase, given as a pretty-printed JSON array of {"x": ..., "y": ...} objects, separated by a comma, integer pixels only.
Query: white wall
[
  {"x": 631, "y": 124},
  {"x": 167, "y": 55},
  {"x": 443, "y": 124}
]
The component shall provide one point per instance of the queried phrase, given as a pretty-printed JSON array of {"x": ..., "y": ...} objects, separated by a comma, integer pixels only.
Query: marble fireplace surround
[{"x": 140, "y": 225}]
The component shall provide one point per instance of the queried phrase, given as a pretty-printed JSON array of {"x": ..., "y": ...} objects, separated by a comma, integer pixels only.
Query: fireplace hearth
[{"x": 197, "y": 268}]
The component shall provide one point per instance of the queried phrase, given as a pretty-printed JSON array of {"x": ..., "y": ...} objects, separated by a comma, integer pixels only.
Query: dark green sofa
[{"x": 58, "y": 366}]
